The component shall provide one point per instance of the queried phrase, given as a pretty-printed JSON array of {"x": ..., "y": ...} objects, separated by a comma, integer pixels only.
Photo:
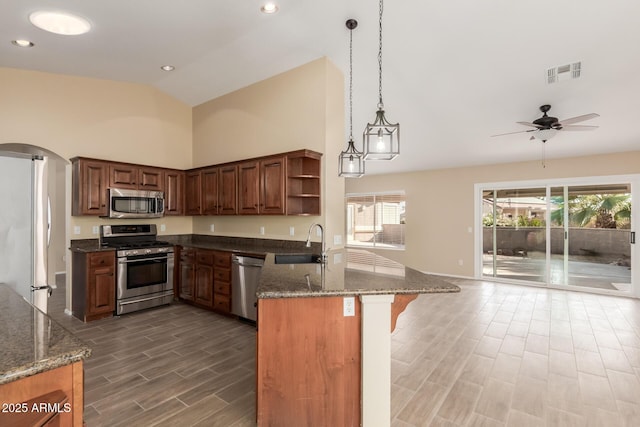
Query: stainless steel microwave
[{"x": 124, "y": 203}]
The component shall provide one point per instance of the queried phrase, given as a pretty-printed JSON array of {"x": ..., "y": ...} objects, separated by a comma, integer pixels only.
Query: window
[{"x": 376, "y": 220}]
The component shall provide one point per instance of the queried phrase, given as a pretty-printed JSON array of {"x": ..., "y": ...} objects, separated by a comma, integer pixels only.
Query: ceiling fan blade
[
  {"x": 579, "y": 127},
  {"x": 579, "y": 119},
  {"x": 511, "y": 133},
  {"x": 529, "y": 124}
]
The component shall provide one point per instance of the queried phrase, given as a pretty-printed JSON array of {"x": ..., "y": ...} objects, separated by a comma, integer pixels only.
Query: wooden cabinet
[
  {"x": 125, "y": 175},
  {"x": 90, "y": 182},
  {"x": 210, "y": 182},
  {"x": 173, "y": 192},
  {"x": 93, "y": 285},
  {"x": 303, "y": 183},
  {"x": 261, "y": 187},
  {"x": 308, "y": 370},
  {"x": 192, "y": 193},
  {"x": 282, "y": 184},
  {"x": 272, "y": 185},
  {"x": 187, "y": 275},
  {"x": 222, "y": 282},
  {"x": 249, "y": 188},
  {"x": 204, "y": 278},
  {"x": 228, "y": 190}
]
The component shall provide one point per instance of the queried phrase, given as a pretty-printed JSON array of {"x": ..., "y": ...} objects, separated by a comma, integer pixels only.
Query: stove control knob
[{"x": 147, "y": 251}]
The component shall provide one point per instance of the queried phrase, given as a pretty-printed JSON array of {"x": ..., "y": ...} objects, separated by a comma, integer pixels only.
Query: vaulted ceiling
[{"x": 454, "y": 72}]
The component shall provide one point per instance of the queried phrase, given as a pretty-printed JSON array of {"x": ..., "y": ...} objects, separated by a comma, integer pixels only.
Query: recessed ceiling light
[
  {"x": 60, "y": 22},
  {"x": 269, "y": 7},
  {"x": 167, "y": 68},
  {"x": 22, "y": 43}
]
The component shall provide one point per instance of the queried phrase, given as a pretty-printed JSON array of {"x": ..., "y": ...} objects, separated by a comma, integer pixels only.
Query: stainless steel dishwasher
[{"x": 245, "y": 277}]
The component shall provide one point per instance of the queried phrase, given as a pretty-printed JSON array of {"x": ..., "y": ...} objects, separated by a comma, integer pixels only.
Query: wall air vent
[{"x": 564, "y": 72}]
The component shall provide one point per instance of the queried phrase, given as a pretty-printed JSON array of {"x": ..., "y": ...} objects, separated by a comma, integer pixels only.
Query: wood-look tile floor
[{"x": 492, "y": 355}]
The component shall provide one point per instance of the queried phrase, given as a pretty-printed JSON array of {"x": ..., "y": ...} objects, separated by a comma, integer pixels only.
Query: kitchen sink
[{"x": 298, "y": 259}]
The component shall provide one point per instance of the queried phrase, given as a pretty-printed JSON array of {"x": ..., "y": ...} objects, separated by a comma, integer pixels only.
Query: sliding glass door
[{"x": 573, "y": 235}]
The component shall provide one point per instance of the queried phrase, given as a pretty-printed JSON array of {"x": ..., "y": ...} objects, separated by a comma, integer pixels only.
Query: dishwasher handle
[{"x": 247, "y": 261}]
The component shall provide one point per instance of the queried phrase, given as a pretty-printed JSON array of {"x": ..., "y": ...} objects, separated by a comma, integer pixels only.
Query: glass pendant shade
[
  {"x": 381, "y": 138},
  {"x": 351, "y": 162}
]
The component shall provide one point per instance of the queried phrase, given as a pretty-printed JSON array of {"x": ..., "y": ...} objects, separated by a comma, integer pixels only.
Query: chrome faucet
[{"x": 324, "y": 248}]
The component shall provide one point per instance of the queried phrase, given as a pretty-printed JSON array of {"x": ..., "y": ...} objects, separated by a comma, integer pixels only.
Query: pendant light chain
[
  {"x": 380, "y": 55},
  {"x": 350, "y": 84}
]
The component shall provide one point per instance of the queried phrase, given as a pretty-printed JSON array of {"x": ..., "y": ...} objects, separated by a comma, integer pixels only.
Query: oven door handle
[
  {"x": 128, "y": 261},
  {"x": 142, "y": 299}
]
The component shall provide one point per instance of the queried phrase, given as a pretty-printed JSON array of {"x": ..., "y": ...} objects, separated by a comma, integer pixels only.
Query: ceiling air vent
[{"x": 564, "y": 72}]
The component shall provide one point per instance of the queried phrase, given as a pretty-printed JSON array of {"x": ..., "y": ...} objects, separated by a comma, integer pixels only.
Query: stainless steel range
[{"x": 144, "y": 267}]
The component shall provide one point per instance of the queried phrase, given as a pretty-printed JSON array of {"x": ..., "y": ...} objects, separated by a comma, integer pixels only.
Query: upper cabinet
[
  {"x": 261, "y": 186},
  {"x": 122, "y": 175},
  {"x": 173, "y": 192},
  {"x": 282, "y": 184},
  {"x": 90, "y": 183}
]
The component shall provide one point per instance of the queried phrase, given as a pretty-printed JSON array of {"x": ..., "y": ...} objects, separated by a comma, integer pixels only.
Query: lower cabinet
[
  {"x": 93, "y": 285},
  {"x": 205, "y": 278}
]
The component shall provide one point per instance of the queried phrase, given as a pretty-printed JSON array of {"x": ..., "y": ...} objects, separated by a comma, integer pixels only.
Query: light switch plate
[
  {"x": 349, "y": 306},
  {"x": 163, "y": 227},
  {"x": 76, "y": 229},
  {"x": 95, "y": 229},
  {"x": 262, "y": 231},
  {"x": 212, "y": 227},
  {"x": 337, "y": 239},
  {"x": 337, "y": 258},
  {"x": 292, "y": 231}
]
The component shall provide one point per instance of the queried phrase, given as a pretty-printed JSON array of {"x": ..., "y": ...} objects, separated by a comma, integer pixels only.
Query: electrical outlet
[
  {"x": 460, "y": 262},
  {"x": 163, "y": 227},
  {"x": 292, "y": 231},
  {"x": 349, "y": 306},
  {"x": 95, "y": 229},
  {"x": 337, "y": 239},
  {"x": 76, "y": 229},
  {"x": 337, "y": 258},
  {"x": 262, "y": 231},
  {"x": 470, "y": 229},
  {"x": 212, "y": 227}
]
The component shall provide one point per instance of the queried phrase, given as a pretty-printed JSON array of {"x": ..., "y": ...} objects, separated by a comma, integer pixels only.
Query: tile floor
[{"x": 492, "y": 355}]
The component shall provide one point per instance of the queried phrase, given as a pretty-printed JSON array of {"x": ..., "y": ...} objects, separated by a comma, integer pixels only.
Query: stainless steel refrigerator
[{"x": 24, "y": 226}]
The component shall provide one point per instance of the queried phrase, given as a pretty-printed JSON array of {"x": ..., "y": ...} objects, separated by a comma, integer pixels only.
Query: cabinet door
[
  {"x": 227, "y": 189},
  {"x": 174, "y": 193},
  {"x": 123, "y": 176},
  {"x": 101, "y": 283},
  {"x": 204, "y": 285},
  {"x": 90, "y": 183},
  {"x": 272, "y": 186},
  {"x": 151, "y": 179},
  {"x": 210, "y": 191},
  {"x": 249, "y": 188},
  {"x": 187, "y": 278},
  {"x": 192, "y": 193}
]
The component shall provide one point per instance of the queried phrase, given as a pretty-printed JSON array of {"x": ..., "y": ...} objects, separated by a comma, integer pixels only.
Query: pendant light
[
  {"x": 351, "y": 161},
  {"x": 381, "y": 138}
]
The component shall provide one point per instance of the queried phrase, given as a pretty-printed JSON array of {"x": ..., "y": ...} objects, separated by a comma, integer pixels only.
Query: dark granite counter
[
  {"x": 347, "y": 272},
  {"x": 240, "y": 245},
  {"x": 30, "y": 341}
]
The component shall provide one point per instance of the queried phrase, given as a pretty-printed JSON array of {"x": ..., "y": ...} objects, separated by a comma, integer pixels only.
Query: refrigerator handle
[{"x": 48, "y": 221}]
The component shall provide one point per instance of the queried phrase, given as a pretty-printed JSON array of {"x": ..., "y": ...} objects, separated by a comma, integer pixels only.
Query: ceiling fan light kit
[
  {"x": 381, "y": 138},
  {"x": 351, "y": 161}
]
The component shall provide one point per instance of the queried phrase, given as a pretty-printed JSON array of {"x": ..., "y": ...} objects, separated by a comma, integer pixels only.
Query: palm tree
[{"x": 603, "y": 210}]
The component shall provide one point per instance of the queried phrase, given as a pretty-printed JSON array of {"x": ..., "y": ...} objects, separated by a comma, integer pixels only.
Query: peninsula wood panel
[
  {"x": 308, "y": 363},
  {"x": 68, "y": 379}
]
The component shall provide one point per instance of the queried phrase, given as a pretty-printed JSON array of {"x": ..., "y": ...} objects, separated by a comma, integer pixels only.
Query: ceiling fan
[{"x": 546, "y": 126}]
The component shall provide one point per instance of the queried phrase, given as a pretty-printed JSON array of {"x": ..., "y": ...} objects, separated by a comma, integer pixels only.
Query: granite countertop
[
  {"x": 347, "y": 272},
  {"x": 30, "y": 341}
]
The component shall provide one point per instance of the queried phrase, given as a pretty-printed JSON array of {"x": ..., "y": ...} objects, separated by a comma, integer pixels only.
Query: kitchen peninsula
[
  {"x": 40, "y": 363},
  {"x": 323, "y": 350}
]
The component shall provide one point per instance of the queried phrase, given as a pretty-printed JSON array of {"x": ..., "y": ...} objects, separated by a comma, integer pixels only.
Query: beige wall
[
  {"x": 75, "y": 116},
  {"x": 440, "y": 203},
  {"x": 301, "y": 108}
]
